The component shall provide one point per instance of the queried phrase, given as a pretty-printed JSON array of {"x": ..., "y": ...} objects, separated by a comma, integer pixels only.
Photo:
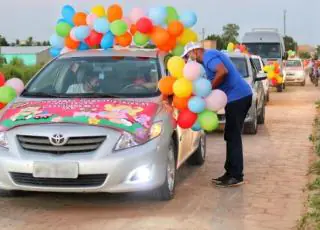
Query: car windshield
[
  {"x": 293, "y": 63},
  {"x": 241, "y": 64},
  {"x": 264, "y": 50},
  {"x": 257, "y": 63},
  {"x": 121, "y": 77}
]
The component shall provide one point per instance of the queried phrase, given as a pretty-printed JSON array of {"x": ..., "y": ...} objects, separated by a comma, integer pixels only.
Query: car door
[{"x": 258, "y": 85}]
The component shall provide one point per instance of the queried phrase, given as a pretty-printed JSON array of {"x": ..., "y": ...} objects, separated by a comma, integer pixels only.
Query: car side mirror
[{"x": 261, "y": 77}]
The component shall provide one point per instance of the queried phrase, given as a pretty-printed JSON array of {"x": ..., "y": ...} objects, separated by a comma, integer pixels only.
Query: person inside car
[{"x": 91, "y": 83}]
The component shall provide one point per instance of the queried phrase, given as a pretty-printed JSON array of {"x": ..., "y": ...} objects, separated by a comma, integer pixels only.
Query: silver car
[
  {"x": 73, "y": 157},
  {"x": 248, "y": 70}
]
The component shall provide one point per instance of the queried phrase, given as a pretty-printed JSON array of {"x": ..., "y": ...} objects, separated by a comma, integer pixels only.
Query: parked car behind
[
  {"x": 266, "y": 83},
  {"x": 294, "y": 71},
  {"x": 248, "y": 70},
  {"x": 50, "y": 153}
]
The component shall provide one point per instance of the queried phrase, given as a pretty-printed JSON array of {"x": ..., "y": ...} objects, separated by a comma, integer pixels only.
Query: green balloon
[
  {"x": 140, "y": 39},
  {"x": 118, "y": 27},
  {"x": 178, "y": 50},
  {"x": 63, "y": 29},
  {"x": 208, "y": 120},
  {"x": 7, "y": 94},
  {"x": 172, "y": 14}
]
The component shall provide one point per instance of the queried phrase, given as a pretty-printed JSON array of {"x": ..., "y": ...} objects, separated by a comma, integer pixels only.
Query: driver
[{"x": 90, "y": 84}]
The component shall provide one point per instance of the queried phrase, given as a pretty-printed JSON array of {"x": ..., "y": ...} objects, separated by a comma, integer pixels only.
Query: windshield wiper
[
  {"x": 40, "y": 94},
  {"x": 94, "y": 95}
]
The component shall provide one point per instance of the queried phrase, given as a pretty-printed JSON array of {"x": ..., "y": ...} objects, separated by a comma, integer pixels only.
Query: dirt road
[{"x": 276, "y": 163}]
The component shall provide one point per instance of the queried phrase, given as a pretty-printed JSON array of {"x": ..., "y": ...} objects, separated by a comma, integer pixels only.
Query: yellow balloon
[
  {"x": 266, "y": 68},
  {"x": 187, "y": 36},
  {"x": 175, "y": 66},
  {"x": 271, "y": 75},
  {"x": 99, "y": 11},
  {"x": 182, "y": 88},
  {"x": 279, "y": 79},
  {"x": 230, "y": 47}
]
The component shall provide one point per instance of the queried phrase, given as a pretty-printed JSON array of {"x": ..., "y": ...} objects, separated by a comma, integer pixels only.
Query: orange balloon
[
  {"x": 175, "y": 28},
  {"x": 166, "y": 85},
  {"x": 159, "y": 36},
  {"x": 71, "y": 44},
  {"x": 124, "y": 40},
  {"x": 133, "y": 29},
  {"x": 80, "y": 19},
  {"x": 114, "y": 12},
  {"x": 170, "y": 45},
  {"x": 180, "y": 103}
]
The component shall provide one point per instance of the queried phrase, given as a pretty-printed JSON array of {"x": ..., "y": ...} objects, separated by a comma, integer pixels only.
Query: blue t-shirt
[{"x": 234, "y": 85}]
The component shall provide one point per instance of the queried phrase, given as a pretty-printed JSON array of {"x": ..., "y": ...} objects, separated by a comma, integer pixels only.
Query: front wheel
[
  {"x": 251, "y": 127},
  {"x": 261, "y": 117}
]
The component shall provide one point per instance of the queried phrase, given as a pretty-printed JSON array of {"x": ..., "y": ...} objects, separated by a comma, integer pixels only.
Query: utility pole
[
  {"x": 285, "y": 22},
  {"x": 203, "y": 33}
]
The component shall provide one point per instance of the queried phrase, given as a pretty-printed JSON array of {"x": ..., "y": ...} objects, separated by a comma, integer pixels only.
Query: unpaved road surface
[{"x": 276, "y": 164}]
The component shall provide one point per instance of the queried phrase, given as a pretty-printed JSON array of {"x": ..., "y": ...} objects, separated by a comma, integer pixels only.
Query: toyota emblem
[{"x": 58, "y": 140}]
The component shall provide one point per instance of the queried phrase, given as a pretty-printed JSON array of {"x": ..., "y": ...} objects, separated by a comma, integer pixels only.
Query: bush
[{"x": 25, "y": 73}]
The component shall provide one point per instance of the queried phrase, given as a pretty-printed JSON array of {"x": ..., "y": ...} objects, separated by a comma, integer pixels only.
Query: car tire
[
  {"x": 251, "y": 128},
  {"x": 303, "y": 83},
  {"x": 199, "y": 156},
  {"x": 261, "y": 117},
  {"x": 166, "y": 191}
]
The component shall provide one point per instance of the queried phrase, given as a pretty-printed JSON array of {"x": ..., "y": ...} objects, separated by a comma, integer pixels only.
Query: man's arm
[{"x": 221, "y": 73}]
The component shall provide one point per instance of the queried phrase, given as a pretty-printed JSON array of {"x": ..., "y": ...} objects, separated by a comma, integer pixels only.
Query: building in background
[{"x": 31, "y": 55}]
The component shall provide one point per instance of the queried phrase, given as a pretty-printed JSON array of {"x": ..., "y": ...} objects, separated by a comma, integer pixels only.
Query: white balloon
[{"x": 216, "y": 100}]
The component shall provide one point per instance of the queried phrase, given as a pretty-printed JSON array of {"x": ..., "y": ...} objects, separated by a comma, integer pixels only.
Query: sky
[{"x": 20, "y": 19}]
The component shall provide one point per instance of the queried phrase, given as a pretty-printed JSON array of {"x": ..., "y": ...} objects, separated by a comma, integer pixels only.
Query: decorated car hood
[{"x": 134, "y": 117}]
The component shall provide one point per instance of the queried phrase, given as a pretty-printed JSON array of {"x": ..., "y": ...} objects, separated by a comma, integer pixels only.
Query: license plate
[{"x": 55, "y": 170}]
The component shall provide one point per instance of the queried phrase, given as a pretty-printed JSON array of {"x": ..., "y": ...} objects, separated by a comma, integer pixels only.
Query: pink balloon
[
  {"x": 128, "y": 21},
  {"x": 192, "y": 70},
  {"x": 72, "y": 34},
  {"x": 16, "y": 84},
  {"x": 90, "y": 19},
  {"x": 216, "y": 100},
  {"x": 136, "y": 14}
]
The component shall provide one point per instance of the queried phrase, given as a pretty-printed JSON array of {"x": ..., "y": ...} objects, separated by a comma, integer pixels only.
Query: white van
[{"x": 269, "y": 45}]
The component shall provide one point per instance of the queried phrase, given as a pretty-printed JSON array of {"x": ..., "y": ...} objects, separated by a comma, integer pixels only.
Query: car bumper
[
  {"x": 114, "y": 170},
  {"x": 295, "y": 80}
]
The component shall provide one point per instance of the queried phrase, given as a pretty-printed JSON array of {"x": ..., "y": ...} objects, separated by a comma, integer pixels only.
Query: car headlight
[
  {"x": 128, "y": 141},
  {"x": 3, "y": 140}
]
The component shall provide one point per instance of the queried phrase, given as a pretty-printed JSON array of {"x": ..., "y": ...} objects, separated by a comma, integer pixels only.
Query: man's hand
[{"x": 221, "y": 73}]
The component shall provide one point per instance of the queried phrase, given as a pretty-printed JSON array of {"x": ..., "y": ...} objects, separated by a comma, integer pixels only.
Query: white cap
[{"x": 191, "y": 46}]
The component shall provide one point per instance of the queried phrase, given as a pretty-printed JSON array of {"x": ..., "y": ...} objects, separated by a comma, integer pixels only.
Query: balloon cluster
[
  {"x": 9, "y": 90},
  {"x": 192, "y": 95},
  {"x": 239, "y": 48},
  {"x": 106, "y": 27},
  {"x": 274, "y": 73},
  {"x": 291, "y": 53}
]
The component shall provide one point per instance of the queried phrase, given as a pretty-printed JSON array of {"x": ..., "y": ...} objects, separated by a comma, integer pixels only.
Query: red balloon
[
  {"x": 144, "y": 25},
  {"x": 186, "y": 119},
  {"x": 274, "y": 81},
  {"x": 94, "y": 39},
  {"x": 2, "y": 79},
  {"x": 2, "y": 105}
]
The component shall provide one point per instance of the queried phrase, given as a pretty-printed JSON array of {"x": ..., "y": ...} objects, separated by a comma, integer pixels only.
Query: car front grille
[
  {"x": 73, "y": 145},
  {"x": 90, "y": 180}
]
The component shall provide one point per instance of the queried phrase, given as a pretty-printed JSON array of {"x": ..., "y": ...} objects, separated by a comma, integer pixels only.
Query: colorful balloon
[
  {"x": 208, "y": 120},
  {"x": 133, "y": 29},
  {"x": 71, "y": 44},
  {"x": 57, "y": 41},
  {"x": 166, "y": 85},
  {"x": 93, "y": 39},
  {"x": 187, "y": 36},
  {"x": 175, "y": 66},
  {"x": 7, "y": 94},
  {"x": 124, "y": 40},
  {"x": 178, "y": 50},
  {"x": 128, "y": 21},
  {"x": 16, "y": 84},
  {"x": 83, "y": 46},
  {"x": 82, "y": 32},
  {"x": 182, "y": 88},
  {"x": 54, "y": 52},
  {"x": 73, "y": 34},
  {"x": 118, "y": 27},
  {"x": 2, "y": 79},
  {"x": 101, "y": 25},
  {"x": 140, "y": 39},
  {"x": 172, "y": 15},
  {"x": 107, "y": 41},
  {"x": 2, "y": 105},
  {"x": 136, "y": 14},
  {"x": 180, "y": 103},
  {"x": 63, "y": 29},
  {"x": 216, "y": 100},
  {"x": 80, "y": 19},
  {"x": 196, "y": 104},
  {"x": 196, "y": 127},
  {"x": 188, "y": 19},
  {"x": 186, "y": 119},
  {"x": 175, "y": 28},
  {"x": 171, "y": 43},
  {"x": 67, "y": 13},
  {"x": 98, "y": 11},
  {"x": 91, "y": 19},
  {"x": 159, "y": 36},
  {"x": 192, "y": 70},
  {"x": 158, "y": 15},
  {"x": 144, "y": 25},
  {"x": 230, "y": 47},
  {"x": 202, "y": 87},
  {"x": 114, "y": 12}
]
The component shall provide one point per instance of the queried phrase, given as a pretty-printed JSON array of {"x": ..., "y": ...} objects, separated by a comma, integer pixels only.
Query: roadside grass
[{"x": 311, "y": 220}]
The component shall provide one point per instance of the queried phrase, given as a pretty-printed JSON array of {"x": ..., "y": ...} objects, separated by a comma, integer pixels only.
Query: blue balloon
[
  {"x": 82, "y": 32},
  {"x": 101, "y": 25},
  {"x": 196, "y": 104},
  {"x": 196, "y": 127},
  {"x": 188, "y": 19},
  {"x": 83, "y": 46},
  {"x": 158, "y": 15},
  {"x": 57, "y": 41},
  {"x": 107, "y": 41},
  {"x": 202, "y": 87},
  {"x": 68, "y": 12},
  {"x": 54, "y": 52}
]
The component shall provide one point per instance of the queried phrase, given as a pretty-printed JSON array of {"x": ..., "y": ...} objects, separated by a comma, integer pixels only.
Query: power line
[{"x": 285, "y": 22}]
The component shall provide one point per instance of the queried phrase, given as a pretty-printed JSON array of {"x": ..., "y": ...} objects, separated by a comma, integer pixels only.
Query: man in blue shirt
[{"x": 224, "y": 76}]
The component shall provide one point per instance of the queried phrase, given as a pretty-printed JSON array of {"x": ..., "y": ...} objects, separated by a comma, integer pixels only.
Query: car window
[
  {"x": 254, "y": 67},
  {"x": 293, "y": 63},
  {"x": 241, "y": 65},
  {"x": 257, "y": 64},
  {"x": 121, "y": 76}
]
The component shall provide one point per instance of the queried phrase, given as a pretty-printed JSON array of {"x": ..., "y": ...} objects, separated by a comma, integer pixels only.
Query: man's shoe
[
  {"x": 220, "y": 179},
  {"x": 230, "y": 182}
]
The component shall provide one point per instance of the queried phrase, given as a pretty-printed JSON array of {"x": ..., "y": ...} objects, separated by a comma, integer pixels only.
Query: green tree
[
  {"x": 304, "y": 55},
  {"x": 29, "y": 41},
  {"x": 3, "y": 41},
  {"x": 17, "y": 42},
  {"x": 318, "y": 50},
  {"x": 230, "y": 33},
  {"x": 16, "y": 62},
  {"x": 290, "y": 43},
  {"x": 218, "y": 39}
]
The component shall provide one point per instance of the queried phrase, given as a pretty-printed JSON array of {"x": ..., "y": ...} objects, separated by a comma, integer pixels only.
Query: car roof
[
  {"x": 237, "y": 54},
  {"x": 115, "y": 52},
  {"x": 255, "y": 56}
]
